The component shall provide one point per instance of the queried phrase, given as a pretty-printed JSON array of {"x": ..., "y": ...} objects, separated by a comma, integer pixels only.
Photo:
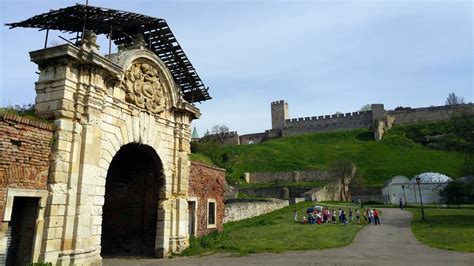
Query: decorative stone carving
[{"x": 143, "y": 88}]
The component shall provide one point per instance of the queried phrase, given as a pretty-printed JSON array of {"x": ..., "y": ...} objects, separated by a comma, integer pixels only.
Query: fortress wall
[
  {"x": 252, "y": 138},
  {"x": 274, "y": 192},
  {"x": 426, "y": 114},
  {"x": 289, "y": 176},
  {"x": 226, "y": 139},
  {"x": 346, "y": 121}
]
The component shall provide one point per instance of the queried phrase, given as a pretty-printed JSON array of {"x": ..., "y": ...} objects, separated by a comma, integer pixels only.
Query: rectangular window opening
[{"x": 211, "y": 213}]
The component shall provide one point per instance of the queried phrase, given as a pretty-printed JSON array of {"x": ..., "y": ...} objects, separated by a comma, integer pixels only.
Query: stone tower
[
  {"x": 378, "y": 112},
  {"x": 279, "y": 114}
]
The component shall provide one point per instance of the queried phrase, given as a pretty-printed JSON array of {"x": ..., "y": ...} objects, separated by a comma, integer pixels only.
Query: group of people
[{"x": 321, "y": 215}]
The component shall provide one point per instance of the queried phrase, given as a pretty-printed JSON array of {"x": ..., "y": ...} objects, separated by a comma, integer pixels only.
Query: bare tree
[
  {"x": 344, "y": 170},
  {"x": 220, "y": 131},
  {"x": 366, "y": 107},
  {"x": 453, "y": 99}
]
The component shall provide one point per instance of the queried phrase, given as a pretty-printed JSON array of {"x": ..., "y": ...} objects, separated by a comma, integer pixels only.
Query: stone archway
[
  {"x": 104, "y": 106},
  {"x": 134, "y": 179}
]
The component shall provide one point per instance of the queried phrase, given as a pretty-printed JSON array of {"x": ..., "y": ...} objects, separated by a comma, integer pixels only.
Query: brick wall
[
  {"x": 25, "y": 148},
  {"x": 207, "y": 182}
]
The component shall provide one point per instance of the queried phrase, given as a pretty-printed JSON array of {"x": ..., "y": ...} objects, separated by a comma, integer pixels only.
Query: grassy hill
[{"x": 398, "y": 153}]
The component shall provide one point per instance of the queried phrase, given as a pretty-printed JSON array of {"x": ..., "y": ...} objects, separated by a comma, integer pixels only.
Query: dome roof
[
  {"x": 399, "y": 179},
  {"x": 432, "y": 178}
]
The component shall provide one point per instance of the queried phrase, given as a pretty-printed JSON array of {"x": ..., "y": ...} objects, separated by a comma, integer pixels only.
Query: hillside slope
[{"x": 377, "y": 161}]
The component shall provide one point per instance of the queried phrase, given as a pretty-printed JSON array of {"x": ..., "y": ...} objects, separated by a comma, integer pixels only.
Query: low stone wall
[
  {"x": 367, "y": 193},
  {"x": 274, "y": 192},
  {"x": 290, "y": 176},
  {"x": 236, "y": 210}
]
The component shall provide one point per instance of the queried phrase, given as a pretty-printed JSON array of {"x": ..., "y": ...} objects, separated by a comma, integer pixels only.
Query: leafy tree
[
  {"x": 453, "y": 99},
  {"x": 366, "y": 107},
  {"x": 462, "y": 125},
  {"x": 453, "y": 193}
]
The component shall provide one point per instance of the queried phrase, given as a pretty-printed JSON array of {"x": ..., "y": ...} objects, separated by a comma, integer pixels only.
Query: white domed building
[{"x": 400, "y": 187}]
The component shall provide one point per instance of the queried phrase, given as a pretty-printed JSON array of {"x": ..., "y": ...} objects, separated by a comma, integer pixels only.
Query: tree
[
  {"x": 462, "y": 125},
  {"x": 366, "y": 107},
  {"x": 344, "y": 170},
  {"x": 453, "y": 99},
  {"x": 219, "y": 131},
  {"x": 453, "y": 193}
]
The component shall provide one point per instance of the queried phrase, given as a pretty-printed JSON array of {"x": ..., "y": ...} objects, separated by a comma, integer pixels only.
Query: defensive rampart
[
  {"x": 289, "y": 176},
  {"x": 426, "y": 114},
  {"x": 346, "y": 121},
  {"x": 378, "y": 119}
]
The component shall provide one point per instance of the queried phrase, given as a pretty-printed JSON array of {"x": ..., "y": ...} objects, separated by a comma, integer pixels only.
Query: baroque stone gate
[{"x": 118, "y": 179}]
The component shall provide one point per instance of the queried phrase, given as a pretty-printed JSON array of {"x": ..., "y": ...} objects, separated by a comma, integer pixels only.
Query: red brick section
[
  {"x": 25, "y": 150},
  {"x": 207, "y": 182}
]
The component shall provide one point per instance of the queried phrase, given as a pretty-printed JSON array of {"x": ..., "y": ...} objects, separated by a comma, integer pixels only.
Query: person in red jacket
[{"x": 376, "y": 217}]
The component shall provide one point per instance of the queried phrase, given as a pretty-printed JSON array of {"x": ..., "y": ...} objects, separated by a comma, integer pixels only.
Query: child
[
  {"x": 333, "y": 216},
  {"x": 358, "y": 216},
  {"x": 343, "y": 218},
  {"x": 351, "y": 218},
  {"x": 371, "y": 216}
]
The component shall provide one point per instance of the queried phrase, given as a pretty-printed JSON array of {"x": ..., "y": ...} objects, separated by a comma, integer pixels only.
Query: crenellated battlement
[
  {"x": 280, "y": 102},
  {"x": 329, "y": 117}
]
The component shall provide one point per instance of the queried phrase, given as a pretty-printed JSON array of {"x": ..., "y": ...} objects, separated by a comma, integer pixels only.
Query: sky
[{"x": 321, "y": 57}]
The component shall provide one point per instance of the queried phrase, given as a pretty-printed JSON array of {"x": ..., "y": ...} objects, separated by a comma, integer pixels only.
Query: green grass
[
  {"x": 201, "y": 158},
  {"x": 451, "y": 229},
  {"x": 264, "y": 234},
  {"x": 377, "y": 161}
]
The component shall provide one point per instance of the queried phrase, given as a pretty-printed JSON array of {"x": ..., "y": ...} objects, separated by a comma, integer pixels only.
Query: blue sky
[{"x": 320, "y": 56}]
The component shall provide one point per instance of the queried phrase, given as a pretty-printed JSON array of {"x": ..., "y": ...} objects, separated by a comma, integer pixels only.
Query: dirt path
[{"x": 392, "y": 243}]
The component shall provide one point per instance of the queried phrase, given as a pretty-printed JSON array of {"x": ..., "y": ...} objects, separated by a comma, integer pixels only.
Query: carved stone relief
[{"x": 143, "y": 88}]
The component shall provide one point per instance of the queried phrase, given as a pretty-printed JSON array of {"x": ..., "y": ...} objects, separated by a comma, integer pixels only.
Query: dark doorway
[
  {"x": 21, "y": 231},
  {"x": 131, "y": 202},
  {"x": 192, "y": 217}
]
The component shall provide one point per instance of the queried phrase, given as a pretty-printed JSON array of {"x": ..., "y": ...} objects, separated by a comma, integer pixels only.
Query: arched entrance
[{"x": 134, "y": 179}]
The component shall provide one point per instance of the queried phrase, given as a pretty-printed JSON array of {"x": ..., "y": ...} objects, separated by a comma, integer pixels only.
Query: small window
[
  {"x": 211, "y": 213},
  {"x": 212, "y": 209}
]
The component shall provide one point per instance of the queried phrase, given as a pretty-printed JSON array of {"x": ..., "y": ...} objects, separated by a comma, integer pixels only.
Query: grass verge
[
  {"x": 274, "y": 232},
  {"x": 451, "y": 229}
]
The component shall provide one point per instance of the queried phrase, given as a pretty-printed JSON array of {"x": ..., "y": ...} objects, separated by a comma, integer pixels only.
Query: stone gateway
[
  {"x": 118, "y": 183},
  {"x": 119, "y": 171}
]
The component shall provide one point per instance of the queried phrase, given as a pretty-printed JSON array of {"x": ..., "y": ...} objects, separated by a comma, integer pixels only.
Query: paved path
[{"x": 392, "y": 243}]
